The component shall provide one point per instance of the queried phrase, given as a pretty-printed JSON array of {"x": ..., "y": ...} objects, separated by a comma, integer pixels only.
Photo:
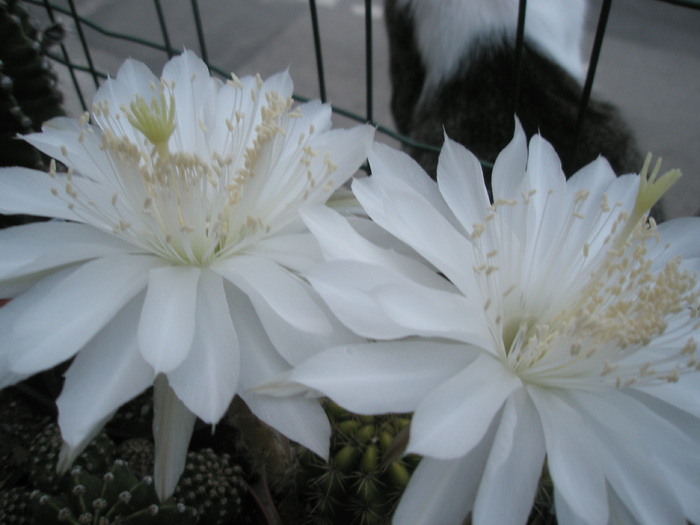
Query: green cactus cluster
[
  {"x": 16, "y": 506},
  {"x": 363, "y": 480},
  {"x": 102, "y": 490},
  {"x": 115, "y": 498},
  {"x": 542, "y": 509},
  {"x": 212, "y": 484},
  {"x": 43, "y": 458},
  {"x": 19, "y": 420},
  {"x": 28, "y": 92},
  {"x": 139, "y": 453}
]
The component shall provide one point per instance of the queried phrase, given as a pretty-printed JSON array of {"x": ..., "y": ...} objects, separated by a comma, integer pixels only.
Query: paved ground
[{"x": 650, "y": 64}]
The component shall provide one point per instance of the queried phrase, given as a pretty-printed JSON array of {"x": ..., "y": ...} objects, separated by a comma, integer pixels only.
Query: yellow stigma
[
  {"x": 651, "y": 189},
  {"x": 156, "y": 122}
]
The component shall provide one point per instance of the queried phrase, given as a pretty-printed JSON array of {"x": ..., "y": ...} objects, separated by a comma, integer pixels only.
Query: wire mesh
[{"x": 84, "y": 63}]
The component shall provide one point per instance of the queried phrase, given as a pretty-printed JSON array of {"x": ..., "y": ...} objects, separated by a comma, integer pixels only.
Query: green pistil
[
  {"x": 651, "y": 189},
  {"x": 156, "y": 122}
]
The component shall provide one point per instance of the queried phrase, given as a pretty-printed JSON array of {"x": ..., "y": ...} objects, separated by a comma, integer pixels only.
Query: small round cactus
[
  {"x": 15, "y": 507},
  {"x": 43, "y": 458},
  {"x": 213, "y": 485},
  {"x": 115, "y": 498},
  {"x": 139, "y": 453},
  {"x": 361, "y": 483},
  {"x": 19, "y": 420},
  {"x": 28, "y": 93}
]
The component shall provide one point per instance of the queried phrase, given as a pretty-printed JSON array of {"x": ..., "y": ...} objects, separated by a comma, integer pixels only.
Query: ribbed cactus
[
  {"x": 28, "y": 93},
  {"x": 20, "y": 422},
  {"x": 212, "y": 484},
  {"x": 139, "y": 453},
  {"x": 43, "y": 457},
  {"x": 15, "y": 507},
  {"x": 543, "y": 509},
  {"x": 358, "y": 485},
  {"x": 115, "y": 498}
]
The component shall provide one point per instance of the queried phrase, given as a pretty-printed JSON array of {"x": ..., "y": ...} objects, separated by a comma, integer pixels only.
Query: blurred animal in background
[{"x": 453, "y": 66}]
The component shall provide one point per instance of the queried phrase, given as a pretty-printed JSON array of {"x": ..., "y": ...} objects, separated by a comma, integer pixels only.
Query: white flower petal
[
  {"x": 622, "y": 193},
  {"x": 630, "y": 468},
  {"x": 670, "y": 434},
  {"x": 242, "y": 104},
  {"x": 572, "y": 457},
  {"x": 172, "y": 429},
  {"x": 285, "y": 293},
  {"x": 259, "y": 359},
  {"x": 106, "y": 373},
  {"x": 454, "y": 417},
  {"x": 207, "y": 379},
  {"x": 619, "y": 513},
  {"x": 292, "y": 343},
  {"x": 544, "y": 173},
  {"x": 75, "y": 146},
  {"x": 565, "y": 513},
  {"x": 58, "y": 320},
  {"x": 32, "y": 249},
  {"x": 382, "y": 377},
  {"x": 678, "y": 236},
  {"x": 194, "y": 92},
  {"x": 23, "y": 190},
  {"x": 69, "y": 453},
  {"x": 513, "y": 469},
  {"x": 546, "y": 184},
  {"x": 436, "y": 494},
  {"x": 592, "y": 177},
  {"x": 398, "y": 171},
  {"x": 347, "y": 150},
  {"x": 302, "y": 420},
  {"x": 442, "y": 492},
  {"x": 133, "y": 78},
  {"x": 581, "y": 223},
  {"x": 280, "y": 82},
  {"x": 509, "y": 168},
  {"x": 410, "y": 217},
  {"x": 347, "y": 288},
  {"x": 8, "y": 377},
  {"x": 433, "y": 313},
  {"x": 167, "y": 324},
  {"x": 11, "y": 312},
  {"x": 294, "y": 251},
  {"x": 314, "y": 114},
  {"x": 677, "y": 398},
  {"x": 340, "y": 240},
  {"x": 461, "y": 184}
]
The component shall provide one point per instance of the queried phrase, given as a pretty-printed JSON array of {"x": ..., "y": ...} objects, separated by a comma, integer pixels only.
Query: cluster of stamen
[
  {"x": 619, "y": 303},
  {"x": 190, "y": 207}
]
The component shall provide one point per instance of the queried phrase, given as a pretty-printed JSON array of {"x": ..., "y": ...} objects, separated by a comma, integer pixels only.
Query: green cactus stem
[
  {"x": 362, "y": 482},
  {"x": 28, "y": 91}
]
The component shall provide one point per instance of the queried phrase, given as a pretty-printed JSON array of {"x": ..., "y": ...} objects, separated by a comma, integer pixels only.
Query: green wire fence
[{"x": 56, "y": 9}]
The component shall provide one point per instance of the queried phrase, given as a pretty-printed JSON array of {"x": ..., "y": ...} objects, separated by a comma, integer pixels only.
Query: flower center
[
  {"x": 608, "y": 305},
  {"x": 193, "y": 207},
  {"x": 622, "y": 313}
]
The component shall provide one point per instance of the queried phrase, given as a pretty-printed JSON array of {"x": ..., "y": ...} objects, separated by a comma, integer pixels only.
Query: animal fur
[{"x": 452, "y": 70}]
